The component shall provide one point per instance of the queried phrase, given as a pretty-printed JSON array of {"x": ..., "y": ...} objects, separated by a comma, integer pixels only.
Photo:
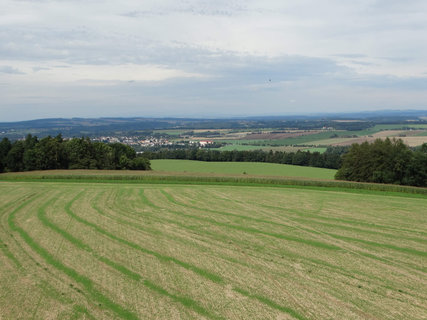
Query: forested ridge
[{"x": 58, "y": 153}]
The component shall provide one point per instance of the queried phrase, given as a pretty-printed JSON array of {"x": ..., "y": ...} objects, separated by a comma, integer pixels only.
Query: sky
[{"x": 203, "y": 58}]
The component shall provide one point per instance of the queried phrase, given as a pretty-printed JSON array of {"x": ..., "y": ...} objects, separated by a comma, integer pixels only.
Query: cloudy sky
[{"x": 203, "y": 58}]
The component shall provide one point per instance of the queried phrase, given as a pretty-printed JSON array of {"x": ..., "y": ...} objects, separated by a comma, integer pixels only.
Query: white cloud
[
  {"x": 194, "y": 49},
  {"x": 55, "y": 73}
]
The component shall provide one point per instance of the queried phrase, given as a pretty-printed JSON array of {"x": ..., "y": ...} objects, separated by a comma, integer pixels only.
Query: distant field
[
  {"x": 238, "y": 147},
  {"x": 320, "y": 149},
  {"x": 299, "y": 140},
  {"x": 143, "y": 251},
  {"x": 252, "y": 168},
  {"x": 414, "y": 137},
  {"x": 171, "y": 132},
  {"x": 400, "y": 126}
]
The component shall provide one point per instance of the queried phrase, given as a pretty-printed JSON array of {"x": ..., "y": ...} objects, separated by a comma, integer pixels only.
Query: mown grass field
[
  {"x": 251, "y": 168},
  {"x": 80, "y": 250}
]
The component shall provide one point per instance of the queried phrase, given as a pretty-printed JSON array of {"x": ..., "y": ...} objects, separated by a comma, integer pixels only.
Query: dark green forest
[
  {"x": 385, "y": 161},
  {"x": 58, "y": 153}
]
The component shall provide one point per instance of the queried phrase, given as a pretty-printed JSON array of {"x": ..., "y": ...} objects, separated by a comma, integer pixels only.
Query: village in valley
[{"x": 151, "y": 141}]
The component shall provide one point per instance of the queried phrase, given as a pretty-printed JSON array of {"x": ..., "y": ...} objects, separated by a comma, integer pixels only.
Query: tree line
[
  {"x": 385, "y": 161},
  {"x": 329, "y": 159},
  {"x": 58, "y": 153}
]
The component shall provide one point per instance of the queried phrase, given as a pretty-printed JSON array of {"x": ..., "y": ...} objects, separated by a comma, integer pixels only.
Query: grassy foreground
[
  {"x": 157, "y": 251},
  {"x": 251, "y": 168}
]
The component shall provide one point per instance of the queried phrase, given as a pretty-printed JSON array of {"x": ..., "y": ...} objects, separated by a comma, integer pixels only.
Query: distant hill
[{"x": 77, "y": 127}]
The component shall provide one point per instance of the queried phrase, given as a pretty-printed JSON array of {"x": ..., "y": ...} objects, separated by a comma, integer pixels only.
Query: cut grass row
[
  {"x": 300, "y": 240},
  {"x": 198, "y": 222},
  {"x": 372, "y": 256},
  {"x": 127, "y": 272},
  {"x": 184, "y": 300},
  {"x": 88, "y": 285},
  {"x": 51, "y": 260}
]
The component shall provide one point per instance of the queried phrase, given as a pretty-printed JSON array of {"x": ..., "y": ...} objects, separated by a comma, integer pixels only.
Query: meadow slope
[
  {"x": 144, "y": 251},
  {"x": 251, "y": 168}
]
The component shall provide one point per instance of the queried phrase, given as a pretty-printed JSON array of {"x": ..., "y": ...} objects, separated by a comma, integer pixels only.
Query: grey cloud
[
  {"x": 357, "y": 32},
  {"x": 36, "y": 69},
  {"x": 389, "y": 82},
  {"x": 10, "y": 70},
  {"x": 350, "y": 55},
  {"x": 202, "y": 8}
]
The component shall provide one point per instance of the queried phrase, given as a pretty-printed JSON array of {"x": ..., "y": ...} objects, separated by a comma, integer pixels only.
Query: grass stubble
[{"x": 216, "y": 252}]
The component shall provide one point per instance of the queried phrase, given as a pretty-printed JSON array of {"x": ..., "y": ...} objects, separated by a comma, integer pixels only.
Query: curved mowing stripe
[
  {"x": 188, "y": 302},
  {"x": 357, "y": 240},
  {"x": 184, "y": 301},
  {"x": 318, "y": 262},
  {"x": 88, "y": 284},
  {"x": 7, "y": 253},
  {"x": 145, "y": 200},
  {"x": 271, "y": 303},
  {"x": 80, "y": 310},
  {"x": 313, "y": 243},
  {"x": 84, "y": 281},
  {"x": 174, "y": 201},
  {"x": 380, "y": 245},
  {"x": 358, "y": 230},
  {"x": 202, "y": 272},
  {"x": 3, "y": 246},
  {"x": 351, "y": 239},
  {"x": 309, "y": 214},
  {"x": 119, "y": 220},
  {"x": 335, "y": 268}
]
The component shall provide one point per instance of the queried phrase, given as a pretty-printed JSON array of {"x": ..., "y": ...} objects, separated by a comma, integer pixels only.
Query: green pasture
[
  {"x": 172, "y": 132},
  {"x": 143, "y": 251},
  {"x": 328, "y": 142},
  {"x": 238, "y": 147},
  {"x": 319, "y": 149},
  {"x": 400, "y": 126},
  {"x": 288, "y": 148},
  {"x": 250, "y": 168}
]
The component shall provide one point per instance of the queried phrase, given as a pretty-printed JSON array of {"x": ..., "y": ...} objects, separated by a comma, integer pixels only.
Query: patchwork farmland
[{"x": 82, "y": 250}]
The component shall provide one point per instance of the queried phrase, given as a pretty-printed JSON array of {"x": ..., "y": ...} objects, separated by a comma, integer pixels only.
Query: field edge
[{"x": 99, "y": 176}]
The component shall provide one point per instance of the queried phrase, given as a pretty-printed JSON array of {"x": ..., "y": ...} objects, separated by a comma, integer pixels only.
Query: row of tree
[
  {"x": 76, "y": 153},
  {"x": 329, "y": 159},
  {"x": 385, "y": 161}
]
